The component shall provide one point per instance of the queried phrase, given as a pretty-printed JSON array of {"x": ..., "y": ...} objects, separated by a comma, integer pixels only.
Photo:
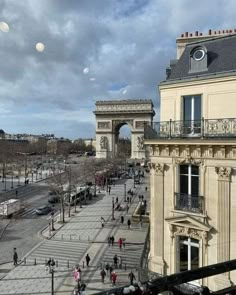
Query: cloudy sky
[{"x": 94, "y": 50}]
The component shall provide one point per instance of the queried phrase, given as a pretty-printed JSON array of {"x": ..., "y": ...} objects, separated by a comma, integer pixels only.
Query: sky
[{"x": 94, "y": 50}]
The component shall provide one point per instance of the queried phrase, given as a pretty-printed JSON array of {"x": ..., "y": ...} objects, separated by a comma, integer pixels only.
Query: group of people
[
  {"x": 80, "y": 285},
  {"x": 109, "y": 271},
  {"x": 110, "y": 240}
]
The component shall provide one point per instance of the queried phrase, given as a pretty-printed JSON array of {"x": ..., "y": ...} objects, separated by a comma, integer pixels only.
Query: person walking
[
  {"x": 122, "y": 219},
  {"x": 131, "y": 277},
  {"x": 15, "y": 257},
  {"x": 113, "y": 278},
  {"x": 103, "y": 275},
  {"x": 128, "y": 223},
  {"x": 87, "y": 259},
  {"x": 112, "y": 240},
  {"x": 146, "y": 188},
  {"x": 16, "y": 193},
  {"x": 109, "y": 190},
  {"x": 117, "y": 200},
  {"x": 82, "y": 288},
  {"x": 110, "y": 270},
  {"x": 120, "y": 262},
  {"x": 120, "y": 243},
  {"x": 127, "y": 208},
  {"x": 115, "y": 259}
]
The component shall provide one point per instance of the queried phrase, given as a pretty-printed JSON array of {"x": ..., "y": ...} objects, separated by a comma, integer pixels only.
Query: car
[
  {"x": 44, "y": 210},
  {"x": 53, "y": 199}
]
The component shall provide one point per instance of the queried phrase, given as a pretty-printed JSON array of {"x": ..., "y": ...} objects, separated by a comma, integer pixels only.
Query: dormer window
[{"x": 198, "y": 60}]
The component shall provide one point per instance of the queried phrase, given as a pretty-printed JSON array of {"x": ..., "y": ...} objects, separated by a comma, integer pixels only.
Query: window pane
[
  {"x": 183, "y": 263},
  {"x": 183, "y": 169},
  {"x": 194, "y": 257},
  {"x": 197, "y": 107},
  {"x": 194, "y": 186},
  {"x": 195, "y": 170},
  {"x": 187, "y": 108},
  {"x": 183, "y": 184}
]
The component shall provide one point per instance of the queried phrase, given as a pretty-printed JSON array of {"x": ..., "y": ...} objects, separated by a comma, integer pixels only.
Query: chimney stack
[{"x": 209, "y": 32}]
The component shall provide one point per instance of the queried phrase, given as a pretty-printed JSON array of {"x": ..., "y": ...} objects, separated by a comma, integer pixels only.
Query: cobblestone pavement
[{"x": 82, "y": 234}]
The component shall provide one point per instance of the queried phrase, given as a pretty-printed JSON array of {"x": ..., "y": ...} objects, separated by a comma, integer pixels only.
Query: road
[{"x": 22, "y": 230}]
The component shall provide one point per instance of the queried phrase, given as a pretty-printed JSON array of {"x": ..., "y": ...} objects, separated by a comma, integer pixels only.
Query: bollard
[
  {"x": 35, "y": 261},
  {"x": 83, "y": 264},
  {"x": 56, "y": 263},
  {"x": 68, "y": 264},
  {"x": 24, "y": 260}
]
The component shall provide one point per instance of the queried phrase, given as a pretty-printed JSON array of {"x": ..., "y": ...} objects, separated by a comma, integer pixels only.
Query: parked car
[
  {"x": 54, "y": 199},
  {"x": 44, "y": 210}
]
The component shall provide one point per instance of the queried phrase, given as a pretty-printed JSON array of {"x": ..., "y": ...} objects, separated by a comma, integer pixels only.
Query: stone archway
[{"x": 111, "y": 115}]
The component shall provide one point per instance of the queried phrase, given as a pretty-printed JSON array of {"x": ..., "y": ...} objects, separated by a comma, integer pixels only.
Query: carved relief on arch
[{"x": 188, "y": 232}]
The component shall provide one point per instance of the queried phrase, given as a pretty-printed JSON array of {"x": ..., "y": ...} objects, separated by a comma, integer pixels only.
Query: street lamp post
[
  {"x": 51, "y": 265},
  {"x": 113, "y": 209}
]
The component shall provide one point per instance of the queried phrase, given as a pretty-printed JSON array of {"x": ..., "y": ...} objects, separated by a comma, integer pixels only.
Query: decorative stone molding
[
  {"x": 188, "y": 232},
  {"x": 224, "y": 173},
  {"x": 140, "y": 143},
  {"x": 139, "y": 124},
  {"x": 104, "y": 142},
  {"x": 157, "y": 168},
  {"x": 189, "y": 160},
  {"x": 118, "y": 123},
  {"x": 104, "y": 125}
]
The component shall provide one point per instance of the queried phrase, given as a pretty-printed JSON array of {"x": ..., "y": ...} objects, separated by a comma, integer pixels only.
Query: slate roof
[{"x": 221, "y": 53}]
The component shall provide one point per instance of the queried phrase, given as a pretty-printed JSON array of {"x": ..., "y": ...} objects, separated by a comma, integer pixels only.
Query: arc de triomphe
[{"x": 112, "y": 115}]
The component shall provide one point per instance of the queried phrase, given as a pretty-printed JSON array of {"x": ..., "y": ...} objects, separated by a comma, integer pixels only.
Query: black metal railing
[
  {"x": 204, "y": 128},
  {"x": 190, "y": 203}
]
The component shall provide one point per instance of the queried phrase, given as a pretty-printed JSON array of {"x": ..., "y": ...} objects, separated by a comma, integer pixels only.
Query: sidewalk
[{"x": 69, "y": 244}]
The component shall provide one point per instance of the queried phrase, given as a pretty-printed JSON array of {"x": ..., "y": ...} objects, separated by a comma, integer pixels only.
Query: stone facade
[
  {"x": 112, "y": 115},
  {"x": 193, "y": 179}
]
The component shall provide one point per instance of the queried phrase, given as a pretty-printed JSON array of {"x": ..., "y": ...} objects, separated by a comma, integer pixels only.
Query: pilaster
[{"x": 157, "y": 218}]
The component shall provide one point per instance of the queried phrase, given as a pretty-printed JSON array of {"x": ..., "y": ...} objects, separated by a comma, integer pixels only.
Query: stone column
[
  {"x": 223, "y": 222},
  {"x": 157, "y": 218}
]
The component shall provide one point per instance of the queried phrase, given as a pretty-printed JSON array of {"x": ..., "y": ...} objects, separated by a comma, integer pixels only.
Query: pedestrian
[
  {"x": 120, "y": 243},
  {"x": 87, "y": 259},
  {"x": 117, "y": 200},
  {"x": 102, "y": 223},
  {"x": 16, "y": 193},
  {"x": 142, "y": 197},
  {"x": 131, "y": 277},
  {"x": 107, "y": 267},
  {"x": 146, "y": 188},
  {"x": 115, "y": 259},
  {"x": 127, "y": 199},
  {"x": 122, "y": 219},
  {"x": 145, "y": 203},
  {"x": 103, "y": 274},
  {"x": 112, "y": 240},
  {"x": 113, "y": 278},
  {"x": 82, "y": 288},
  {"x": 15, "y": 257},
  {"x": 109, "y": 240},
  {"x": 109, "y": 190},
  {"x": 128, "y": 223},
  {"x": 76, "y": 274},
  {"x": 139, "y": 198},
  {"x": 110, "y": 270},
  {"x": 127, "y": 208}
]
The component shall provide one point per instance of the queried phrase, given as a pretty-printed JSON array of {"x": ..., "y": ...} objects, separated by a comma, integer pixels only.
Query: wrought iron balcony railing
[
  {"x": 190, "y": 203},
  {"x": 205, "y": 128}
]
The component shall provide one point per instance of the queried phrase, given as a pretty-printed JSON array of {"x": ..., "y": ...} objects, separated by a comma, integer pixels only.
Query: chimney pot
[
  {"x": 234, "y": 30},
  {"x": 230, "y": 31},
  {"x": 200, "y": 34},
  {"x": 215, "y": 32},
  {"x": 190, "y": 35},
  {"x": 182, "y": 35},
  {"x": 196, "y": 33},
  {"x": 219, "y": 32},
  {"x": 227, "y": 31},
  {"x": 209, "y": 32},
  {"x": 186, "y": 34},
  {"x": 223, "y": 31}
]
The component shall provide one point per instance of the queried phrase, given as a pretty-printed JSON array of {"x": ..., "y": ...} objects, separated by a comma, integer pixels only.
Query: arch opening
[{"x": 123, "y": 140}]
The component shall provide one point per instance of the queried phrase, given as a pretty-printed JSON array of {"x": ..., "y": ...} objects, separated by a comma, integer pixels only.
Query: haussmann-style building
[{"x": 193, "y": 160}]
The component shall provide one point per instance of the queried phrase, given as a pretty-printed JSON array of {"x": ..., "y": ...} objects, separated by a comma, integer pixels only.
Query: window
[
  {"x": 188, "y": 199},
  {"x": 192, "y": 114},
  {"x": 188, "y": 253}
]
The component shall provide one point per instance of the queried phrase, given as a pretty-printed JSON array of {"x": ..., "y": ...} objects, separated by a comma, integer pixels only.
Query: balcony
[
  {"x": 205, "y": 128},
  {"x": 189, "y": 203}
]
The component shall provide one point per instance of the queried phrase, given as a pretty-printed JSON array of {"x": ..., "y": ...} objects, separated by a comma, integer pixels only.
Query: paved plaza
[{"x": 81, "y": 234}]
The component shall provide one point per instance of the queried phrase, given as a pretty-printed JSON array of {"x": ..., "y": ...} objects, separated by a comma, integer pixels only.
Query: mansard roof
[{"x": 221, "y": 59}]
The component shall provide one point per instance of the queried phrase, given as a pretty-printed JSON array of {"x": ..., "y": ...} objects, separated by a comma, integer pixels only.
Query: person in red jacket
[
  {"x": 113, "y": 278},
  {"x": 120, "y": 243}
]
